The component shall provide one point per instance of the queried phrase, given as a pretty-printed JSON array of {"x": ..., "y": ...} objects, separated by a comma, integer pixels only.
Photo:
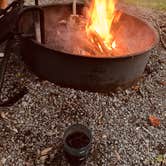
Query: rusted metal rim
[{"x": 156, "y": 40}]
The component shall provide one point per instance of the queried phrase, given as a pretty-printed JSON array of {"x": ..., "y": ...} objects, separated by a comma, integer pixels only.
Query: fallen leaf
[
  {"x": 136, "y": 88},
  {"x": 45, "y": 151},
  {"x": 28, "y": 163},
  {"x": 43, "y": 159},
  {"x": 163, "y": 83},
  {"x": 14, "y": 129},
  {"x": 161, "y": 158},
  {"x": 4, "y": 115},
  {"x": 154, "y": 121},
  {"x": 117, "y": 155}
]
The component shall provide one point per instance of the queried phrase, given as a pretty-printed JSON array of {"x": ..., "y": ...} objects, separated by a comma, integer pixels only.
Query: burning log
[
  {"x": 91, "y": 44},
  {"x": 82, "y": 44},
  {"x": 98, "y": 42},
  {"x": 89, "y": 47}
]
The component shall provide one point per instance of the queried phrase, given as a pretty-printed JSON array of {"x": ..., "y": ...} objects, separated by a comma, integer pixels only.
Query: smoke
[{"x": 67, "y": 34}]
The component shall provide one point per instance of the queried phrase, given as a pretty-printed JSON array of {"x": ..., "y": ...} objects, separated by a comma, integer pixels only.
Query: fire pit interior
[
  {"x": 75, "y": 54},
  {"x": 132, "y": 36}
]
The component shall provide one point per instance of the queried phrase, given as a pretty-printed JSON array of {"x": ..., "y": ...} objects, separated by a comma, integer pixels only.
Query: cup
[{"x": 77, "y": 144}]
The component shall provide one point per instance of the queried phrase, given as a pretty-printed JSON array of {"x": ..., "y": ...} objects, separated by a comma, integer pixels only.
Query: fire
[{"x": 101, "y": 16}]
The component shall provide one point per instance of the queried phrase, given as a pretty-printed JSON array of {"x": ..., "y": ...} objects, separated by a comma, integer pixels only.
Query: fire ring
[{"x": 86, "y": 72}]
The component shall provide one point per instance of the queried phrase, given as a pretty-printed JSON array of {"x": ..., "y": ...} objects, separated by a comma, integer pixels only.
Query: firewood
[
  {"x": 92, "y": 50},
  {"x": 98, "y": 41},
  {"x": 85, "y": 44}
]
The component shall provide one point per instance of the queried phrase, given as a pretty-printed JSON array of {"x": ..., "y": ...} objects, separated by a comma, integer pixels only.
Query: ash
[
  {"x": 31, "y": 130},
  {"x": 70, "y": 36}
]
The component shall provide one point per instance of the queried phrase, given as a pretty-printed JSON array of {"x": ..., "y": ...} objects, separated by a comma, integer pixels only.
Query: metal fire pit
[{"x": 84, "y": 72}]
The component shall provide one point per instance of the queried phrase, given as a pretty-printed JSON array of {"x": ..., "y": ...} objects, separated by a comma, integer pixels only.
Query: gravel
[{"x": 122, "y": 135}]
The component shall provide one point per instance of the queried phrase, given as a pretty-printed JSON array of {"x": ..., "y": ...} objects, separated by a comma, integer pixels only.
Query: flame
[
  {"x": 101, "y": 16},
  {"x": 113, "y": 44}
]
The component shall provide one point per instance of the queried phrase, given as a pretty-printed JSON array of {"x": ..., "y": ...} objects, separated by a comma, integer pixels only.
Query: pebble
[{"x": 47, "y": 116}]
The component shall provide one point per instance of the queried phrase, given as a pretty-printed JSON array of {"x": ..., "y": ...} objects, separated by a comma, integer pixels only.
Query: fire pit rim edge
[{"x": 154, "y": 30}]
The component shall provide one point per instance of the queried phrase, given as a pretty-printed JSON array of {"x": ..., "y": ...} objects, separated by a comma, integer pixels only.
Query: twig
[
  {"x": 99, "y": 43},
  {"x": 148, "y": 131},
  {"x": 74, "y": 7},
  {"x": 117, "y": 156},
  {"x": 9, "y": 124}
]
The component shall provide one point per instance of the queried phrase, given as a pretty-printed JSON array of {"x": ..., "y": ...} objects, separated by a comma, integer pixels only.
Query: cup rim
[{"x": 89, "y": 135}]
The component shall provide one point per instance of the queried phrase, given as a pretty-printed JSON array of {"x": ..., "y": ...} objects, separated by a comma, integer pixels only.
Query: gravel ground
[{"x": 31, "y": 130}]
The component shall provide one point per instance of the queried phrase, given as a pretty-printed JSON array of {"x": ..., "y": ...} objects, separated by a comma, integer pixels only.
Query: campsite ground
[{"x": 31, "y": 130}]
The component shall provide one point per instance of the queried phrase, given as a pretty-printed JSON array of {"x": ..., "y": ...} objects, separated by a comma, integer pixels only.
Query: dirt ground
[{"x": 31, "y": 130}]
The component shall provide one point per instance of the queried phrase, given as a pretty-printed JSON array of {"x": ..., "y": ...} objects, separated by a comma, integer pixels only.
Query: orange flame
[{"x": 101, "y": 15}]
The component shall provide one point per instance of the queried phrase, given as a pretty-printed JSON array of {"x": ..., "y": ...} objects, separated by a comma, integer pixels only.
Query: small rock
[
  {"x": 3, "y": 161},
  {"x": 45, "y": 151},
  {"x": 1, "y": 54}
]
